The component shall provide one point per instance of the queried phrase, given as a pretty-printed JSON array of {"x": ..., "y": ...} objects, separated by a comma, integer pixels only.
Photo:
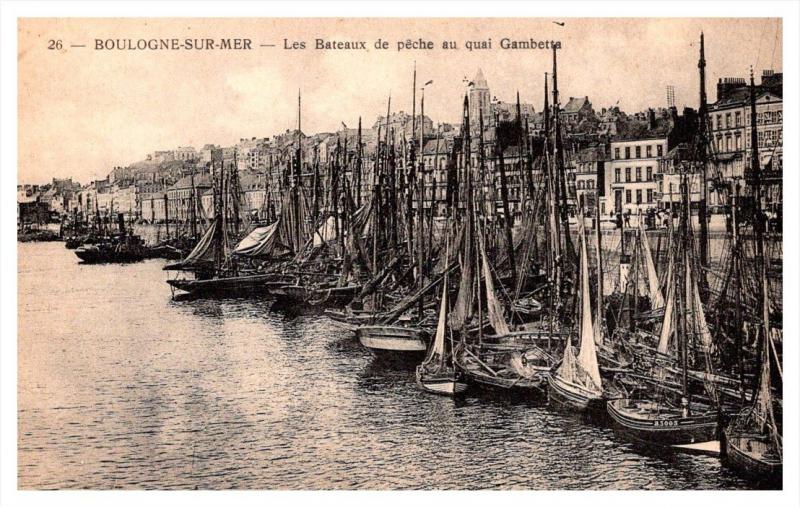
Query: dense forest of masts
[{"x": 679, "y": 334}]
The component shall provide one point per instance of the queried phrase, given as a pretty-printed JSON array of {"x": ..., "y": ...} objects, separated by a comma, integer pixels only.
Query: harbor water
[{"x": 121, "y": 386}]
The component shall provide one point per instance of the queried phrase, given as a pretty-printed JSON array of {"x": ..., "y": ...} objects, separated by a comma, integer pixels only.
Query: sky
[{"x": 82, "y": 111}]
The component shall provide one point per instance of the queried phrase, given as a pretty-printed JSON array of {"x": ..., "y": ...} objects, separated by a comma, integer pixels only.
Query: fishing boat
[
  {"x": 576, "y": 384},
  {"x": 660, "y": 415},
  {"x": 490, "y": 354},
  {"x": 438, "y": 373},
  {"x": 220, "y": 270},
  {"x": 394, "y": 340},
  {"x": 120, "y": 247},
  {"x": 231, "y": 285},
  {"x": 752, "y": 442}
]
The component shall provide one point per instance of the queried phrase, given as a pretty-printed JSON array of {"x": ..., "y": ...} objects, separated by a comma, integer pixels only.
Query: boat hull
[
  {"x": 94, "y": 255},
  {"x": 393, "y": 340},
  {"x": 569, "y": 397},
  {"x": 446, "y": 384},
  {"x": 748, "y": 463},
  {"x": 662, "y": 431},
  {"x": 224, "y": 286}
]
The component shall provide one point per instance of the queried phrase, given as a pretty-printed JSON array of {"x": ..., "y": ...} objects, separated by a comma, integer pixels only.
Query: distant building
[
  {"x": 576, "y": 110},
  {"x": 184, "y": 194},
  {"x": 630, "y": 175},
  {"x": 589, "y": 177},
  {"x": 730, "y": 130}
]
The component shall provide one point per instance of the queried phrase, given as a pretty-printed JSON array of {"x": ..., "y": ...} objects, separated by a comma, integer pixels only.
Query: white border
[{"x": 10, "y": 11}]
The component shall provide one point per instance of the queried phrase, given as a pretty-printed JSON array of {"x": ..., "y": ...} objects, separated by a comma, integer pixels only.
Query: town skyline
[{"x": 224, "y": 97}]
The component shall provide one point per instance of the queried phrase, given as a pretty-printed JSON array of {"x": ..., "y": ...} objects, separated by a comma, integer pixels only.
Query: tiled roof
[{"x": 575, "y": 104}]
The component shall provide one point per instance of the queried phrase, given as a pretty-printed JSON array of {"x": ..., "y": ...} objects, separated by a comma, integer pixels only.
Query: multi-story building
[
  {"x": 630, "y": 174},
  {"x": 674, "y": 168},
  {"x": 576, "y": 110},
  {"x": 184, "y": 194},
  {"x": 730, "y": 129},
  {"x": 124, "y": 200},
  {"x": 589, "y": 177},
  {"x": 152, "y": 207},
  {"x": 252, "y": 154},
  {"x": 186, "y": 154}
]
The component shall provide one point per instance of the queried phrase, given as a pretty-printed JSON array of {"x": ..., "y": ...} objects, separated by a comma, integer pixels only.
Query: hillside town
[{"x": 630, "y": 161}]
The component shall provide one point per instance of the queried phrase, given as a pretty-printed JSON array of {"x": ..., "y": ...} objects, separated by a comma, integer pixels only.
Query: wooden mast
[
  {"x": 702, "y": 158},
  {"x": 559, "y": 161},
  {"x": 509, "y": 217}
]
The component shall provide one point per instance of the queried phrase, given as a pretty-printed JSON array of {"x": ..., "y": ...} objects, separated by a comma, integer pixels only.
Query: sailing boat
[
  {"x": 438, "y": 373},
  {"x": 664, "y": 414},
  {"x": 753, "y": 442},
  {"x": 217, "y": 273},
  {"x": 512, "y": 360},
  {"x": 576, "y": 383}
]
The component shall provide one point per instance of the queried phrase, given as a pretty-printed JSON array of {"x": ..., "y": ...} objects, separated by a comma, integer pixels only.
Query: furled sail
[
  {"x": 666, "y": 325},
  {"x": 203, "y": 252},
  {"x": 436, "y": 353},
  {"x": 464, "y": 300},
  {"x": 494, "y": 307},
  {"x": 656, "y": 297},
  {"x": 261, "y": 242},
  {"x": 587, "y": 357}
]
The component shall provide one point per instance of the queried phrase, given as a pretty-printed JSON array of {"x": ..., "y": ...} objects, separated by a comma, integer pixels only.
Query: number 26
[{"x": 54, "y": 44}]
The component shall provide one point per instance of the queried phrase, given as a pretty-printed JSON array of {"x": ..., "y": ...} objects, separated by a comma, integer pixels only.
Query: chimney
[{"x": 651, "y": 119}]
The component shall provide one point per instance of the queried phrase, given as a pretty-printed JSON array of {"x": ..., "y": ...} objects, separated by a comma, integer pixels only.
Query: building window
[
  {"x": 627, "y": 152},
  {"x": 649, "y": 195},
  {"x": 660, "y": 150},
  {"x": 727, "y": 120},
  {"x": 639, "y": 196},
  {"x": 616, "y": 153},
  {"x": 719, "y": 121},
  {"x": 649, "y": 174},
  {"x": 649, "y": 151},
  {"x": 738, "y": 118},
  {"x": 638, "y": 174},
  {"x": 638, "y": 152},
  {"x": 617, "y": 175},
  {"x": 628, "y": 196},
  {"x": 627, "y": 174}
]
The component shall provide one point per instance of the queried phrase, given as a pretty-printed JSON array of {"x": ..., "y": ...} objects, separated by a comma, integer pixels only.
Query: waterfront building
[
  {"x": 630, "y": 175},
  {"x": 183, "y": 194},
  {"x": 589, "y": 176},
  {"x": 730, "y": 132}
]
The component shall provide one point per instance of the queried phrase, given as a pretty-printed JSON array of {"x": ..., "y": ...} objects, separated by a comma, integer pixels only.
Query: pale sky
[{"x": 83, "y": 111}]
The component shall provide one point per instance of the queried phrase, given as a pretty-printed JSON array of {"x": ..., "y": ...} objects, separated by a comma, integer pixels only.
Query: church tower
[{"x": 479, "y": 99}]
